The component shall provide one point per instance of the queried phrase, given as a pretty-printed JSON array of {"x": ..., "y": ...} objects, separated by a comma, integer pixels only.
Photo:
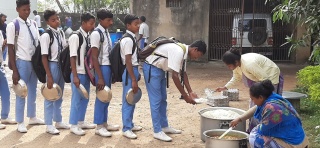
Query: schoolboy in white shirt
[
  {"x": 131, "y": 72},
  {"x": 4, "y": 92},
  {"x": 100, "y": 57},
  {"x": 52, "y": 109},
  {"x": 20, "y": 62},
  {"x": 168, "y": 57},
  {"x": 78, "y": 76}
]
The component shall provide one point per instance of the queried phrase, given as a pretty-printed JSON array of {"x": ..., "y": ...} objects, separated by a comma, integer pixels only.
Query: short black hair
[
  {"x": 35, "y": 11},
  {"x": 2, "y": 15},
  {"x": 201, "y": 45},
  {"x": 48, "y": 13},
  {"x": 143, "y": 18},
  {"x": 264, "y": 89},
  {"x": 104, "y": 13},
  {"x": 20, "y": 3},
  {"x": 129, "y": 18},
  {"x": 86, "y": 16},
  {"x": 231, "y": 56}
]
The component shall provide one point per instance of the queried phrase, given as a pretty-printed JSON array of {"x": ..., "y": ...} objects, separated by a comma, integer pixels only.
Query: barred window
[{"x": 173, "y": 3}]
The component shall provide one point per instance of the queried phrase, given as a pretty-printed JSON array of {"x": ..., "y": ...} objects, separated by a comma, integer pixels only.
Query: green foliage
[
  {"x": 309, "y": 81},
  {"x": 304, "y": 13}
]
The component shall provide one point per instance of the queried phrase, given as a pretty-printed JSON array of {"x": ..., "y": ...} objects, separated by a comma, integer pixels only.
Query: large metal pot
[
  {"x": 211, "y": 142},
  {"x": 209, "y": 123}
]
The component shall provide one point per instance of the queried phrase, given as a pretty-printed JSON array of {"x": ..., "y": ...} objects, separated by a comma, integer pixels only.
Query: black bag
[
  {"x": 36, "y": 59},
  {"x": 117, "y": 66},
  {"x": 149, "y": 49},
  {"x": 64, "y": 61}
]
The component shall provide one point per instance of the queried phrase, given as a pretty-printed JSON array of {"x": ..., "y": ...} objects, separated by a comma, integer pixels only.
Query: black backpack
[
  {"x": 117, "y": 66},
  {"x": 36, "y": 59},
  {"x": 64, "y": 61}
]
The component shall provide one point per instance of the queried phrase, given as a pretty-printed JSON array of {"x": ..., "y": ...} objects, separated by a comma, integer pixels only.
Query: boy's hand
[
  {"x": 134, "y": 86},
  {"x": 50, "y": 82},
  {"x": 188, "y": 99},
  {"x": 100, "y": 84},
  {"x": 76, "y": 81},
  {"x": 193, "y": 95},
  {"x": 15, "y": 77},
  {"x": 219, "y": 89}
]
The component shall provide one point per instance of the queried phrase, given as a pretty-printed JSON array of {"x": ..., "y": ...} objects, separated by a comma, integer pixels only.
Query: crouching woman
[{"x": 279, "y": 123}]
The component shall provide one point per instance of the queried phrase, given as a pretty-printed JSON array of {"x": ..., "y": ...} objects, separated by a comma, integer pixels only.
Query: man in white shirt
[
  {"x": 168, "y": 57},
  {"x": 4, "y": 92},
  {"x": 100, "y": 57},
  {"x": 20, "y": 61},
  {"x": 129, "y": 58},
  {"x": 143, "y": 33},
  {"x": 52, "y": 109},
  {"x": 79, "y": 76},
  {"x": 37, "y": 18}
]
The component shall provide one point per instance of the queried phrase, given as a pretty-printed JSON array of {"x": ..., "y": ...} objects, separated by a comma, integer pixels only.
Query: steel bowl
[
  {"x": 104, "y": 95},
  {"x": 83, "y": 92},
  {"x": 52, "y": 94},
  {"x": 20, "y": 89},
  {"x": 133, "y": 98}
]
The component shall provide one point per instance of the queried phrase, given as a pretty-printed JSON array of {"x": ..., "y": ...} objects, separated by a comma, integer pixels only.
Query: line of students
[{"x": 172, "y": 59}]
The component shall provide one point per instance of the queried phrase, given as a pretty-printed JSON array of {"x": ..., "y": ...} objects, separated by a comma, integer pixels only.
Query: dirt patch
[{"x": 180, "y": 114}]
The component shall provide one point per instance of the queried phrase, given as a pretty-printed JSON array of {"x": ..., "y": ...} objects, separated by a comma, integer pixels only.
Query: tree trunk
[{"x": 60, "y": 6}]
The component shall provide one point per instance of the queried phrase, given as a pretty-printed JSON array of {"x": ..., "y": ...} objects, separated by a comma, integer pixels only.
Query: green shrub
[{"x": 309, "y": 80}]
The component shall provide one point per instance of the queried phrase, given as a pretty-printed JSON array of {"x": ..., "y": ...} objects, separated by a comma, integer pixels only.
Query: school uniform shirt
[
  {"x": 175, "y": 57},
  {"x": 1, "y": 41},
  {"x": 255, "y": 67},
  {"x": 73, "y": 46},
  {"x": 144, "y": 30},
  {"x": 25, "y": 47},
  {"x": 37, "y": 18},
  {"x": 104, "y": 48},
  {"x": 126, "y": 45},
  {"x": 58, "y": 39}
]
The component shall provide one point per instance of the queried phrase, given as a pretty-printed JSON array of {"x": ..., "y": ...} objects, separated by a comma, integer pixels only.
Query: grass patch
[{"x": 310, "y": 115}]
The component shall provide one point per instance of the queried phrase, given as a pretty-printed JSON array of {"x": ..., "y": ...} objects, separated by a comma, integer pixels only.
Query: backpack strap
[
  {"x": 16, "y": 32},
  {"x": 49, "y": 31},
  {"x": 101, "y": 40},
  {"x": 80, "y": 36},
  {"x": 133, "y": 50}
]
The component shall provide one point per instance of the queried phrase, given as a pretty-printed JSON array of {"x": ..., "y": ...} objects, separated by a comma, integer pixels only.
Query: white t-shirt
[
  {"x": 45, "y": 42},
  {"x": 1, "y": 44},
  {"x": 73, "y": 46},
  {"x": 144, "y": 30},
  {"x": 126, "y": 45},
  {"x": 106, "y": 46},
  {"x": 25, "y": 48},
  {"x": 175, "y": 57},
  {"x": 37, "y": 18}
]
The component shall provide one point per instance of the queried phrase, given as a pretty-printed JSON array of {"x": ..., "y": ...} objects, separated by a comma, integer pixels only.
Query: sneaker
[
  {"x": 8, "y": 121},
  {"x": 103, "y": 132},
  {"x": 36, "y": 121},
  {"x": 171, "y": 130},
  {"x": 129, "y": 134},
  {"x": 111, "y": 127},
  {"x": 52, "y": 130},
  {"x": 136, "y": 128},
  {"x": 2, "y": 126},
  {"x": 85, "y": 125},
  {"x": 22, "y": 128},
  {"x": 77, "y": 130},
  {"x": 61, "y": 125},
  {"x": 162, "y": 136}
]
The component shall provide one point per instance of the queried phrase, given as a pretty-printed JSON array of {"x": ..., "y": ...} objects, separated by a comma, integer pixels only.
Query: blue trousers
[
  {"x": 4, "y": 53},
  {"x": 101, "y": 108},
  {"x": 127, "y": 109},
  {"x": 52, "y": 109},
  {"x": 78, "y": 103},
  {"x": 142, "y": 40},
  {"x": 157, "y": 96},
  {"x": 28, "y": 75},
  {"x": 5, "y": 94}
]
